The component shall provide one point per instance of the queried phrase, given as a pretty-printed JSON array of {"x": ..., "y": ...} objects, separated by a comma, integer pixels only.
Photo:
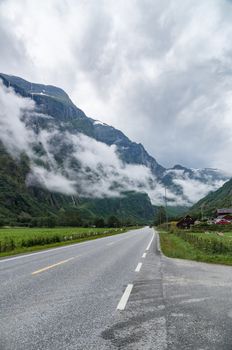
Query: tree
[
  {"x": 99, "y": 222},
  {"x": 113, "y": 221},
  {"x": 70, "y": 218},
  {"x": 24, "y": 218},
  {"x": 2, "y": 223}
]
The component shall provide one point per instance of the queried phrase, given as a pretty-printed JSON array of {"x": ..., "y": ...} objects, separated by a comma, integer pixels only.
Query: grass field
[
  {"x": 205, "y": 247},
  {"x": 20, "y": 240}
]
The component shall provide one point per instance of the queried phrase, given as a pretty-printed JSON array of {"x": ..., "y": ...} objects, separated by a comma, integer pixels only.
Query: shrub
[{"x": 7, "y": 244}]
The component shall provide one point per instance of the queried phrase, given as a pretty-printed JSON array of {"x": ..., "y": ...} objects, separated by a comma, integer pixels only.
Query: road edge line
[
  {"x": 138, "y": 268},
  {"x": 149, "y": 244},
  {"x": 124, "y": 299}
]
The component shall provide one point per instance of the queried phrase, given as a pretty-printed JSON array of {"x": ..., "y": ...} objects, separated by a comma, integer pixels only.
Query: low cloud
[
  {"x": 51, "y": 180},
  {"x": 18, "y": 138},
  {"x": 87, "y": 168},
  {"x": 194, "y": 190},
  {"x": 100, "y": 171},
  {"x": 12, "y": 129},
  {"x": 158, "y": 70}
]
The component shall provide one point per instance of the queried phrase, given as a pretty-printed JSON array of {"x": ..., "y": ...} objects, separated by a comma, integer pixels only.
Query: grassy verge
[
  {"x": 23, "y": 240},
  {"x": 174, "y": 246}
]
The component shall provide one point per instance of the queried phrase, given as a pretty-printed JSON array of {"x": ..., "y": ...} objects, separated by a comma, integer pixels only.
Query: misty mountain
[
  {"x": 21, "y": 203},
  {"x": 55, "y": 102},
  {"x": 75, "y": 155},
  {"x": 191, "y": 184},
  {"x": 221, "y": 198}
]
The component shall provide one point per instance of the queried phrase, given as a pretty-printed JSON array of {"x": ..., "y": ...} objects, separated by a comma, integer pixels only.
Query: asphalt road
[{"x": 118, "y": 292}]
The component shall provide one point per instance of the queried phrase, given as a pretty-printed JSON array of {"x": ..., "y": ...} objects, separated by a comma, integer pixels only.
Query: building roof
[
  {"x": 227, "y": 217},
  {"x": 224, "y": 211},
  {"x": 186, "y": 221}
]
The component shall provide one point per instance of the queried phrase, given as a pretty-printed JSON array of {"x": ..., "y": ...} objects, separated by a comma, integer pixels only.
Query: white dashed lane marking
[
  {"x": 138, "y": 267},
  {"x": 122, "y": 303}
]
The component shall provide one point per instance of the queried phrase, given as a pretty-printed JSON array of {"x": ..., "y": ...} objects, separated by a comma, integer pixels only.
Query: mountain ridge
[
  {"x": 55, "y": 103},
  {"x": 221, "y": 198}
]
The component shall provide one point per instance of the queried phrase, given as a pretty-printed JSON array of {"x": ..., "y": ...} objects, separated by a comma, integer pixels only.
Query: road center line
[
  {"x": 51, "y": 266},
  {"x": 119, "y": 240},
  {"x": 122, "y": 303},
  {"x": 138, "y": 267},
  {"x": 144, "y": 255}
]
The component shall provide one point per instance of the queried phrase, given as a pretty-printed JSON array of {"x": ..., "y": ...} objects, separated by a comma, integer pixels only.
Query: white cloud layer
[
  {"x": 12, "y": 130},
  {"x": 100, "y": 172},
  {"x": 87, "y": 168},
  {"x": 17, "y": 139},
  {"x": 158, "y": 70}
]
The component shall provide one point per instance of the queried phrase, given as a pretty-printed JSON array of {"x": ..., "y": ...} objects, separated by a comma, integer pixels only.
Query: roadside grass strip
[
  {"x": 51, "y": 266},
  {"x": 122, "y": 303},
  {"x": 175, "y": 246}
]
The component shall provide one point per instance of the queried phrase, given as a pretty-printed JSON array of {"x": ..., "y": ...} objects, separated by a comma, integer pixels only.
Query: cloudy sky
[{"x": 158, "y": 70}]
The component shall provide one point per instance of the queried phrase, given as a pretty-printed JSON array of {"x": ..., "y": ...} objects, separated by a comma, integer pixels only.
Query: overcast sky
[{"x": 159, "y": 70}]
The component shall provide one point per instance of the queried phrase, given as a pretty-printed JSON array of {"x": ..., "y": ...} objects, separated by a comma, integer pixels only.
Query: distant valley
[{"x": 54, "y": 158}]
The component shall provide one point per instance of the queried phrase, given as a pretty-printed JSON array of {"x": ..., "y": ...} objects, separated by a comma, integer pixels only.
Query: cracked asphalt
[{"x": 67, "y": 298}]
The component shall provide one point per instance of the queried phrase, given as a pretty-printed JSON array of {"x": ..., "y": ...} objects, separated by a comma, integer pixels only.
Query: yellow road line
[{"x": 51, "y": 266}]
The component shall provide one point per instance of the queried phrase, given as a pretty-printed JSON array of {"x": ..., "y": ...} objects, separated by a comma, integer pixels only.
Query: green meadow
[
  {"x": 212, "y": 247},
  {"x": 20, "y": 240}
]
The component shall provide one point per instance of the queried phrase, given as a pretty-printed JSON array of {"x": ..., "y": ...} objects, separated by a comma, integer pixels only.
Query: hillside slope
[
  {"x": 21, "y": 204},
  {"x": 71, "y": 160},
  {"x": 55, "y": 102},
  {"x": 222, "y": 198}
]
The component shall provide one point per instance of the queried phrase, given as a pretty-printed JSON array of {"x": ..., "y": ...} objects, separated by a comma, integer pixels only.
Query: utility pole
[
  {"x": 166, "y": 209},
  {"x": 202, "y": 213}
]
